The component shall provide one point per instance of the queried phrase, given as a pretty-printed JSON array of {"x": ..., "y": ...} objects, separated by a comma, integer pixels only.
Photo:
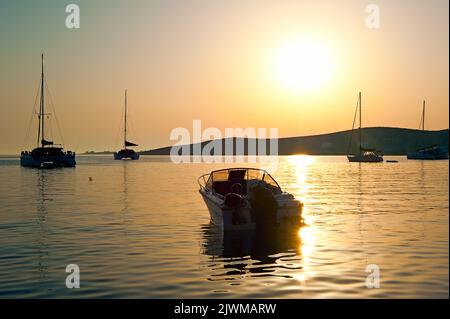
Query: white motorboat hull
[{"x": 288, "y": 213}]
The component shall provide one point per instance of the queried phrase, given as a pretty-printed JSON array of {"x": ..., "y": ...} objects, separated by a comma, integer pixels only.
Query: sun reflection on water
[
  {"x": 300, "y": 165},
  {"x": 307, "y": 241},
  {"x": 300, "y": 188}
]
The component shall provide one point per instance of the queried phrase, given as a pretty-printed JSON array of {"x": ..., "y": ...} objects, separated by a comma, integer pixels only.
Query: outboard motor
[
  {"x": 233, "y": 200},
  {"x": 236, "y": 201},
  {"x": 264, "y": 206}
]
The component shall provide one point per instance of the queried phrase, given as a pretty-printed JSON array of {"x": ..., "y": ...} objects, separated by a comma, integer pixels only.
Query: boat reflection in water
[
  {"x": 41, "y": 241},
  {"x": 255, "y": 253}
]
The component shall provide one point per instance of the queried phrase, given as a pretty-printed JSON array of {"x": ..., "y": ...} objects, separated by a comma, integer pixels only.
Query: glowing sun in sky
[{"x": 303, "y": 64}]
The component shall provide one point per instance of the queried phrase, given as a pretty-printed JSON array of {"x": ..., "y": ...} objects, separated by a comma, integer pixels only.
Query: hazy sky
[{"x": 218, "y": 61}]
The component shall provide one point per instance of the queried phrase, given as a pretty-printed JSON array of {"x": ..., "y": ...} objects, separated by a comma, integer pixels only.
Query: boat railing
[{"x": 204, "y": 179}]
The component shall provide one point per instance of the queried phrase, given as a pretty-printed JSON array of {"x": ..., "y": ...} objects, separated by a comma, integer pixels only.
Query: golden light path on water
[
  {"x": 306, "y": 233},
  {"x": 141, "y": 229}
]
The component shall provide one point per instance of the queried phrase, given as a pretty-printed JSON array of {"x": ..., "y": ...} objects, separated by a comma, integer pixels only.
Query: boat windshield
[{"x": 240, "y": 180}]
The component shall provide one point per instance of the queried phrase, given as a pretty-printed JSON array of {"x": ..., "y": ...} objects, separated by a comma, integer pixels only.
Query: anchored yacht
[
  {"x": 430, "y": 152},
  {"x": 364, "y": 155},
  {"x": 47, "y": 154},
  {"x": 126, "y": 153}
]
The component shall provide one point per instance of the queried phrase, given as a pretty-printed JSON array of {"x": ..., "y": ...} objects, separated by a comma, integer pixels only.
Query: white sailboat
[
  {"x": 364, "y": 155},
  {"x": 126, "y": 153}
]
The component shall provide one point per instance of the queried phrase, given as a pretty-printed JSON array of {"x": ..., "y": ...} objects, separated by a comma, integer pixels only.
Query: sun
[{"x": 303, "y": 64}]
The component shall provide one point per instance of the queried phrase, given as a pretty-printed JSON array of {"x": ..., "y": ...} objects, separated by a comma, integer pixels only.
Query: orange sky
[{"x": 217, "y": 61}]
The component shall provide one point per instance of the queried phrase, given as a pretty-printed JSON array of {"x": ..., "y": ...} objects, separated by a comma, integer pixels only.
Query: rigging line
[
  {"x": 75, "y": 150},
  {"x": 130, "y": 125},
  {"x": 49, "y": 126},
  {"x": 421, "y": 120},
  {"x": 32, "y": 114},
  {"x": 419, "y": 134},
  {"x": 130, "y": 121},
  {"x": 54, "y": 111},
  {"x": 119, "y": 129},
  {"x": 353, "y": 127}
]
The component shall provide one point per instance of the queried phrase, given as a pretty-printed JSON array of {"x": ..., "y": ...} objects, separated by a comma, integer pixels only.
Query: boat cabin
[
  {"x": 126, "y": 152},
  {"x": 52, "y": 151}
]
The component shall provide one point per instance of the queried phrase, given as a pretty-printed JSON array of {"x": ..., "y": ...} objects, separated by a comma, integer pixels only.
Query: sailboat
[
  {"x": 46, "y": 154},
  {"x": 126, "y": 153},
  {"x": 364, "y": 155},
  {"x": 432, "y": 152}
]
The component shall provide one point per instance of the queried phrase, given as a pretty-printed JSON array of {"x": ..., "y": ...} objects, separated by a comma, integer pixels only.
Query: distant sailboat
[
  {"x": 46, "y": 154},
  {"x": 364, "y": 155},
  {"x": 126, "y": 153},
  {"x": 432, "y": 152}
]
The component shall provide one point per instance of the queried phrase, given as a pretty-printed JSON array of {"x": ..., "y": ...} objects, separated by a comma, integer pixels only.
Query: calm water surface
[{"x": 140, "y": 229}]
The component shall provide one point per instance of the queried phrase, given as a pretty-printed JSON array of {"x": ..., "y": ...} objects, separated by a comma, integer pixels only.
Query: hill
[{"x": 392, "y": 141}]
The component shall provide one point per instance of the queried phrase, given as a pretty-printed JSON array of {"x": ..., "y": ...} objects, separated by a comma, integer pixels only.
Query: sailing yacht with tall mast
[
  {"x": 126, "y": 153},
  {"x": 430, "y": 152},
  {"x": 46, "y": 154},
  {"x": 364, "y": 155}
]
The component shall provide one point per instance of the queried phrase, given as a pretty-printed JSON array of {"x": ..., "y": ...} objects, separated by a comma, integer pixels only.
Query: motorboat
[
  {"x": 47, "y": 154},
  {"x": 248, "y": 198}
]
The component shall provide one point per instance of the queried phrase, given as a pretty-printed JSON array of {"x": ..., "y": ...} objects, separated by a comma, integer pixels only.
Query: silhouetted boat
[
  {"x": 365, "y": 155},
  {"x": 248, "y": 198},
  {"x": 48, "y": 154},
  {"x": 432, "y": 152},
  {"x": 126, "y": 153}
]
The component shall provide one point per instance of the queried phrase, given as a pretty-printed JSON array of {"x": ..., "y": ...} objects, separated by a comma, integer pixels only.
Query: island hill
[{"x": 392, "y": 141}]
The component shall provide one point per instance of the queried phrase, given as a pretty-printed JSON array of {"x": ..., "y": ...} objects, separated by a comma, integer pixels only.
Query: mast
[
  {"x": 41, "y": 116},
  {"x": 423, "y": 123},
  {"x": 125, "y": 123},
  {"x": 360, "y": 124},
  {"x": 423, "y": 116}
]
